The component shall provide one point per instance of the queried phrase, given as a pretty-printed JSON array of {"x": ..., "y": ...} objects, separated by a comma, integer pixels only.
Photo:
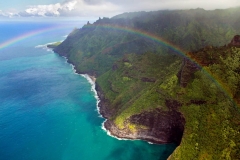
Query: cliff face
[
  {"x": 187, "y": 71},
  {"x": 155, "y": 126},
  {"x": 235, "y": 41}
]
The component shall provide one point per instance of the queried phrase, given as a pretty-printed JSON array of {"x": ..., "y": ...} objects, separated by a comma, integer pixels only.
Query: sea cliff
[{"x": 160, "y": 126}]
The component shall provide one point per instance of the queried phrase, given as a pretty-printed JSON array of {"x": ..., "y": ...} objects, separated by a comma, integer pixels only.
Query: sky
[{"x": 101, "y": 8}]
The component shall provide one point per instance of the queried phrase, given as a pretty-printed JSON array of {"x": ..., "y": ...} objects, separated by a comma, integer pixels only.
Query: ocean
[{"x": 47, "y": 111}]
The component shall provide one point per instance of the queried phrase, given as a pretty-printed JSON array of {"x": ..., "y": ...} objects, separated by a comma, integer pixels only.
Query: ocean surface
[{"x": 47, "y": 112}]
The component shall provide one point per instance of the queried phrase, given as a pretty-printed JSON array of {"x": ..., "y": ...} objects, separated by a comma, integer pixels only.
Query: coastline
[
  {"x": 92, "y": 80},
  {"x": 151, "y": 136},
  {"x": 108, "y": 126}
]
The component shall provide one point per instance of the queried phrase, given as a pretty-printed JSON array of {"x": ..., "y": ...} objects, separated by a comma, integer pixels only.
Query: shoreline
[
  {"x": 111, "y": 135},
  {"x": 92, "y": 81},
  {"x": 123, "y": 139}
]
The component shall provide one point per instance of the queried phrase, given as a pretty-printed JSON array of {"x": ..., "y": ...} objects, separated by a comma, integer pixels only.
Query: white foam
[
  {"x": 93, "y": 85},
  {"x": 109, "y": 133},
  {"x": 120, "y": 139},
  {"x": 39, "y": 46},
  {"x": 89, "y": 79}
]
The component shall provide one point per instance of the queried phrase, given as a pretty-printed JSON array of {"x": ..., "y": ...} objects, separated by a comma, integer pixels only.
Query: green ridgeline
[{"x": 95, "y": 47}]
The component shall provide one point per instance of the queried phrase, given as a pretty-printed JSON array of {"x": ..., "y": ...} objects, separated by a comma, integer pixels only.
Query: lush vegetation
[
  {"x": 139, "y": 83},
  {"x": 138, "y": 75},
  {"x": 210, "y": 101},
  {"x": 212, "y": 128}
]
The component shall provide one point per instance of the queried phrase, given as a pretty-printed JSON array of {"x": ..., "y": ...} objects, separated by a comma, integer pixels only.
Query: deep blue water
[{"x": 47, "y": 112}]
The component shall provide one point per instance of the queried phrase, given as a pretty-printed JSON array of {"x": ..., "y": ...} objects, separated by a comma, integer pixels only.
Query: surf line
[{"x": 169, "y": 45}]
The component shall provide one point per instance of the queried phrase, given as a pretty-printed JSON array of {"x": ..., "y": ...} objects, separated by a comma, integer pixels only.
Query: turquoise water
[{"x": 47, "y": 112}]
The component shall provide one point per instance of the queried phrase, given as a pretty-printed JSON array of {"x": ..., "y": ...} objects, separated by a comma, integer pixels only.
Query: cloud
[
  {"x": 49, "y": 10},
  {"x": 8, "y": 14},
  {"x": 108, "y": 8},
  {"x": 93, "y": 8},
  {"x": 73, "y": 8},
  {"x": 93, "y": 2},
  {"x": 79, "y": 8}
]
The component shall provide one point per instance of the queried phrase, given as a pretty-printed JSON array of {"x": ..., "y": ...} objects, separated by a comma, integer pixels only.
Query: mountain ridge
[{"x": 149, "y": 91}]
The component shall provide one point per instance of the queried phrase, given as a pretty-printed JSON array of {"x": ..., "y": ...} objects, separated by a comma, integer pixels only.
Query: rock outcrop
[
  {"x": 156, "y": 126},
  {"x": 186, "y": 72},
  {"x": 235, "y": 41}
]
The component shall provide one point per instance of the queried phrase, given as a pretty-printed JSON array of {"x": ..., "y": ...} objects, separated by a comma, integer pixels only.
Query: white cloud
[
  {"x": 8, "y": 14},
  {"x": 1, "y": 13},
  {"x": 89, "y": 8},
  {"x": 68, "y": 6},
  {"x": 49, "y": 10},
  {"x": 43, "y": 10},
  {"x": 97, "y": 9},
  {"x": 108, "y": 8}
]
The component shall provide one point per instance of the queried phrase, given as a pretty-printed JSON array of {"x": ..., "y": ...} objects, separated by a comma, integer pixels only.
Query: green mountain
[{"x": 150, "y": 90}]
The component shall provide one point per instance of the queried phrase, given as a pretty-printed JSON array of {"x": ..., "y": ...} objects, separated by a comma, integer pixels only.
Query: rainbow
[
  {"x": 138, "y": 32},
  {"x": 28, "y": 35},
  {"x": 173, "y": 47}
]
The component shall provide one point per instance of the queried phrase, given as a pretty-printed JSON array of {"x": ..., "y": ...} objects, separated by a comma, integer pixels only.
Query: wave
[
  {"x": 93, "y": 85},
  {"x": 91, "y": 80},
  {"x": 109, "y": 133},
  {"x": 121, "y": 139}
]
